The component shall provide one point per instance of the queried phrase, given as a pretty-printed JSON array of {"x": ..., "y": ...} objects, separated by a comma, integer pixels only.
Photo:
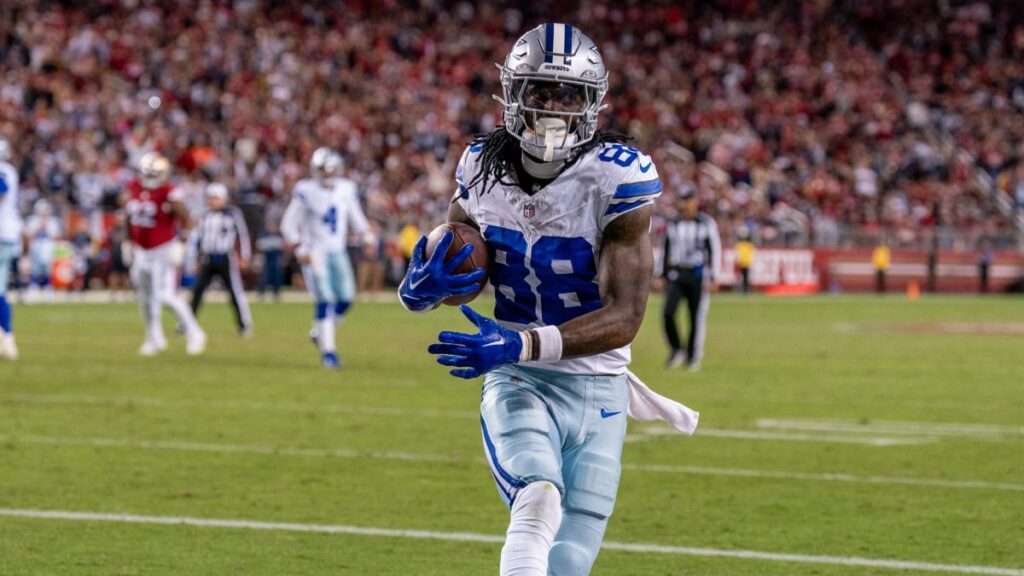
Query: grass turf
[{"x": 247, "y": 431}]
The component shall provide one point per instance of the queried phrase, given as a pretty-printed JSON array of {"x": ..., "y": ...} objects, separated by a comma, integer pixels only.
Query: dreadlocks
[{"x": 499, "y": 150}]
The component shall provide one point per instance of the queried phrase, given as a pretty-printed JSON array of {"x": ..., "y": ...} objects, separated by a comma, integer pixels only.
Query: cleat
[
  {"x": 149, "y": 349},
  {"x": 246, "y": 333},
  {"x": 196, "y": 344},
  {"x": 693, "y": 366},
  {"x": 330, "y": 360},
  {"x": 314, "y": 337},
  {"x": 8, "y": 350},
  {"x": 676, "y": 359}
]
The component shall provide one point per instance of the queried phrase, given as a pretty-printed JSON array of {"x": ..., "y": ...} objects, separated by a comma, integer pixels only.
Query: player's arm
[
  {"x": 456, "y": 213},
  {"x": 291, "y": 227},
  {"x": 625, "y": 257},
  {"x": 361, "y": 226},
  {"x": 244, "y": 243},
  {"x": 180, "y": 213}
]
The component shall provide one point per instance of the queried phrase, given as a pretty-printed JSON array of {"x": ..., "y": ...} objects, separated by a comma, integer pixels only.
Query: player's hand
[
  {"x": 473, "y": 355},
  {"x": 429, "y": 281},
  {"x": 304, "y": 259},
  {"x": 243, "y": 264},
  {"x": 712, "y": 286}
]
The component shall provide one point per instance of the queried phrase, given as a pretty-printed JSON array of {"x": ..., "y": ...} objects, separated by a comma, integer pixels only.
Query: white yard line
[
  {"x": 641, "y": 548},
  {"x": 646, "y": 434},
  {"x": 824, "y": 476},
  {"x": 428, "y": 457},
  {"x": 89, "y": 400},
  {"x": 848, "y": 432},
  {"x": 894, "y": 427}
]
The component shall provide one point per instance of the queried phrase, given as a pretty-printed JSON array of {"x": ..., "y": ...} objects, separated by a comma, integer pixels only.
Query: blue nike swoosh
[
  {"x": 607, "y": 414},
  {"x": 644, "y": 169}
]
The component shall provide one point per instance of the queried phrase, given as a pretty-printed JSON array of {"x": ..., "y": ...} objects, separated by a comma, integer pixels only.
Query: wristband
[
  {"x": 526, "y": 354},
  {"x": 547, "y": 344}
]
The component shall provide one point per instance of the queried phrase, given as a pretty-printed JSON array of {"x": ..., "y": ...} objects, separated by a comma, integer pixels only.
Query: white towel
[{"x": 646, "y": 404}]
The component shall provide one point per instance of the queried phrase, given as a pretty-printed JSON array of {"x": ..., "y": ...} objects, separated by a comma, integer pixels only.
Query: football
[{"x": 463, "y": 234}]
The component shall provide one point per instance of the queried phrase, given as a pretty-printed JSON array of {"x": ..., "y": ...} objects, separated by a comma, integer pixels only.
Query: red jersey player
[{"x": 155, "y": 211}]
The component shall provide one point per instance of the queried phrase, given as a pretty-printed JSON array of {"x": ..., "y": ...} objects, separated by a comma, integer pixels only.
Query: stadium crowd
[{"x": 809, "y": 122}]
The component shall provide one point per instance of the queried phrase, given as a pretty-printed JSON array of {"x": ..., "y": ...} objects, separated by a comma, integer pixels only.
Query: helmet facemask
[
  {"x": 154, "y": 170},
  {"x": 326, "y": 163},
  {"x": 552, "y": 91}
]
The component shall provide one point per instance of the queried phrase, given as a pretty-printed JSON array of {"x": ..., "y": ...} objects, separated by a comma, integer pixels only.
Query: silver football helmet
[
  {"x": 154, "y": 170},
  {"x": 326, "y": 163},
  {"x": 553, "y": 81}
]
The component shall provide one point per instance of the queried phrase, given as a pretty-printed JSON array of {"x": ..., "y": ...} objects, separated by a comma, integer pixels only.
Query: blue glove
[
  {"x": 428, "y": 282},
  {"x": 476, "y": 354}
]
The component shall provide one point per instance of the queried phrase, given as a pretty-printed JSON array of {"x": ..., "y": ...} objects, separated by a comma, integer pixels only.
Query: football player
[
  {"x": 316, "y": 225},
  {"x": 10, "y": 245},
  {"x": 565, "y": 210},
  {"x": 155, "y": 214}
]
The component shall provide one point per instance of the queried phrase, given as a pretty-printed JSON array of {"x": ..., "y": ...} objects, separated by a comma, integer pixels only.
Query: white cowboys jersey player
[{"x": 544, "y": 247}]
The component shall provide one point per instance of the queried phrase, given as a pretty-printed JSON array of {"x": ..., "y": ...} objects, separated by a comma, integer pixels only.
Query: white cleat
[
  {"x": 149, "y": 349},
  {"x": 8, "y": 350},
  {"x": 196, "y": 344},
  {"x": 676, "y": 359},
  {"x": 693, "y": 366}
]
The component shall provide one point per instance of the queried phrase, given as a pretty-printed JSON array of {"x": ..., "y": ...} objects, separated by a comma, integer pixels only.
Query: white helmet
[
  {"x": 553, "y": 81},
  {"x": 154, "y": 169},
  {"x": 326, "y": 163},
  {"x": 42, "y": 207},
  {"x": 5, "y": 150}
]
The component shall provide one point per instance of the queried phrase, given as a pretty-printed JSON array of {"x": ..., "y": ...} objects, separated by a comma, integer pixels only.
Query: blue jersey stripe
[
  {"x": 637, "y": 189},
  {"x": 625, "y": 206},
  {"x": 568, "y": 42},
  {"x": 549, "y": 42}
]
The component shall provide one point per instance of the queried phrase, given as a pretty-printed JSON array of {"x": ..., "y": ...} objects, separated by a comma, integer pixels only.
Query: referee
[
  {"x": 690, "y": 269},
  {"x": 220, "y": 228}
]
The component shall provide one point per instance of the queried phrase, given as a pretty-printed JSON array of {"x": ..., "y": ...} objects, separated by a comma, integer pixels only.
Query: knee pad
[
  {"x": 592, "y": 485},
  {"x": 571, "y": 559},
  {"x": 537, "y": 509}
]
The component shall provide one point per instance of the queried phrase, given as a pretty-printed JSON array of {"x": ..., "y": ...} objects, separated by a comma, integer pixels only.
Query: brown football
[{"x": 463, "y": 234}]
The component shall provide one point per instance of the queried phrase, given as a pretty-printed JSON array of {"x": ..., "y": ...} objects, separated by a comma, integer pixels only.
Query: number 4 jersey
[
  {"x": 543, "y": 248},
  {"x": 319, "y": 215}
]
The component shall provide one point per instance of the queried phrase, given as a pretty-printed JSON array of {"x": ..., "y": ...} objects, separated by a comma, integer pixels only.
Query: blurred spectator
[
  {"x": 42, "y": 230},
  {"x": 745, "y": 254},
  {"x": 826, "y": 123},
  {"x": 270, "y": 246},
  {"x": 881, "y": 258}
]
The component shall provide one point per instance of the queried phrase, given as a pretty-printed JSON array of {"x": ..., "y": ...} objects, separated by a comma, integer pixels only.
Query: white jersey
[
  {"x": 42, "y": 232},
  {"x": 320, "y": 216},
  {"x": 543, "y": 249},
  {"x": 10, "y": 219}
]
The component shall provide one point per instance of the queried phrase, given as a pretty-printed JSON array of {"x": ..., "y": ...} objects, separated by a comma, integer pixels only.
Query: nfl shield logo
[{"x": 529, "y": 210}]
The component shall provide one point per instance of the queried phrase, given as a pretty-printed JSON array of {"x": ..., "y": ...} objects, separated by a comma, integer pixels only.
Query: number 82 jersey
[{"x": 544, "y": 248}]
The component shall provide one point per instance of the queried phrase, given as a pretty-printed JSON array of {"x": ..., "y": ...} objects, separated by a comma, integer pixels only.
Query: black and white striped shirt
[
  {"x": 219, "y": 229},
  {"x": 692, "y": 244}
]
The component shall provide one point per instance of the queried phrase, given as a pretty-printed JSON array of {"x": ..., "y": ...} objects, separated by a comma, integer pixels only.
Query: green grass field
[{"x": 832, "y": 428}]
